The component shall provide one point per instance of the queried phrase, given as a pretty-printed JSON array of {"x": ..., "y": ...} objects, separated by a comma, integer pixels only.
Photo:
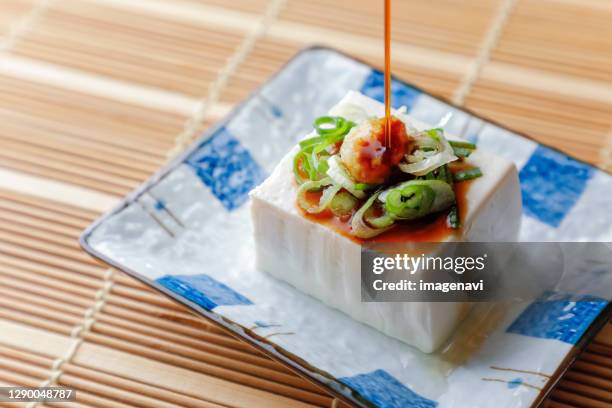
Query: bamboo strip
[
  {"x": 598, "y": 355},
  {"x": 581, "y": 112},
  {"x": 18, "y": 379},
  {"x": 25, "y": 369},
  {"x": 146, "y": 297},
  {"x": 120, "y": 395},
  {"x": 25, "y": 356},
  {"x": 56, "y": 295},
  {"x": 238, "y": 362},
  {"x": 563, "y": 126},
  {"x": 261, "y": 383},
  {"x": 139, "y": 329},
  {"x": 35, "y": 170},
  {"x": 160, "y": 27},
  {"x": 133, "y": 387},
  {"x": 115, "y": 157},
  {"x": 126, "y": 280},
  {"x": 548, "y": 82},
  {"x": 182, "y": 44},
  {"x": 39, "y": 225},
  {"x": 188, "y": 72},
  {"x": 41, "y": 302},
  {"x": 605, "y": 336},
  {"x": 585, "y": 390},
  {"x": 208, "y": 352},
  {"x": 487, "y": 45},
  {"x": 201, "y": 330},
  {"x": 41, "y": 312},
  {"x": 17, "y": 317},
  {"x": 88, "y": 119},
  {"x": 555, "y": 404},
  {"x": 299, "y": 33},
  {"x": 587, "y": 379},
  {"x": 67, "y": 166},
  {"x": 137, "y": 71},
  {"x": 50, "y": 272},
  {"x": 38, "y": 170},
  {"x": 16, "y": 229},
  {"x": 86, "y": 160},
  {"x": 63, "y": 137},
  {"x": 578, "y": 400},
  {"x": 83, "y": 82},
  {"x": 54, "y": 206},
  {"x": 57, "y": 191},
  {"x": 87, "y": 124},
  {"x": 592, "y": 369},
  {"x": 43, "y": 214},
  {"x": 41, "y": 284},
  {"x": 51, "y": 260},
  {"x": 54, "y": 249},
  {"x": 142, "y": 369}
]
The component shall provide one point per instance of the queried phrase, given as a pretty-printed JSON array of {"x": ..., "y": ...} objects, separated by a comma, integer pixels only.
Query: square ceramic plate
[{"x": 187, "y": 233}]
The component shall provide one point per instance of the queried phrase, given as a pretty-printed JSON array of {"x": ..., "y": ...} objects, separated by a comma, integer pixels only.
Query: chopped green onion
[
  {"x": 311, "y": 160},
  {"x": 467, "y": 145},
  {"x": 441, "y": 173},
  {"x": 300, "y": 164},
  {"x": 469, "y": 174},
  {"x": 382, "y": 221},
  {"x": 462, "y": 152},
  {"x": 322, "y": 165},
  {"x": 362, "y": 186},
  {"x": 358, "y": 225},
  {"x": 343, "y": 203},
  {"x": 326, "y": 197},
  {"x": 331, "y": 125},
  {"x": 435, "y": 133},
  {"x": 453, "y": 218},
  {"x": 462, "y": 149},
  {"x": 410, "y": 202},
  {"x": 417, "y": 198},
  {"x": 311, "y": 141}
]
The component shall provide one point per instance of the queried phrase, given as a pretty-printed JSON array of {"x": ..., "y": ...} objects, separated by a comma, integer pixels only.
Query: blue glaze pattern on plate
[
  {"x": 401, "y": 94},
  {"x": 551, "y": 183},
  {"x": 558, "y": 316},
  {"x": 227, "y": 168},
  {"x": 204, "y": 291},
  {"x": 385, "y": 391},
  {"x": 515, "y": 383}
]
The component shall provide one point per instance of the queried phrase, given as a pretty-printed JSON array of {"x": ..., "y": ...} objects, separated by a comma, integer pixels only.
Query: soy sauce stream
[{"x": 388, "y": 73}]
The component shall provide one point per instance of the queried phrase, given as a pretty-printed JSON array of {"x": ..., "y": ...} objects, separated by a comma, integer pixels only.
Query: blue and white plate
[{"x": 187, "y": 233}]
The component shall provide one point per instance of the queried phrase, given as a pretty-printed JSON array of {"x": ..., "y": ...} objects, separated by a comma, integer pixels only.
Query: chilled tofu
[{"x": 321, "y": 262}]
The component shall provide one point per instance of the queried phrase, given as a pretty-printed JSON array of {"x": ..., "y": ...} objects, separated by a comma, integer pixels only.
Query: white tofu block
[{"x": 320, "y": 262}]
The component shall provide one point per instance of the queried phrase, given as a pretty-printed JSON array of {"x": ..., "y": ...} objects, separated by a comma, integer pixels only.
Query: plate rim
[{"x": 263, "y": 345}]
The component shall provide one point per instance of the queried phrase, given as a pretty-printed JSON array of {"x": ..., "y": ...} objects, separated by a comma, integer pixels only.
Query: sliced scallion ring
[
  {"x": 468, "y": 174},
  {"x": 432, "y": 151},
  {"x": 326, "y": 197},
  {"x": 417, "y": 198},
  {"x": 331, "y": 125},
  {"x": 343, "y": 204},
  {"x": 410, "y": 202},
  {"x": 460, "y": 143},
  {"x": 359, "y": 226}
]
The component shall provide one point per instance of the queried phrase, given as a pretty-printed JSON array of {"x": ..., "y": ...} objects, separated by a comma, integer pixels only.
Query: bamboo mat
[{"x": 96, "y": 94}]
